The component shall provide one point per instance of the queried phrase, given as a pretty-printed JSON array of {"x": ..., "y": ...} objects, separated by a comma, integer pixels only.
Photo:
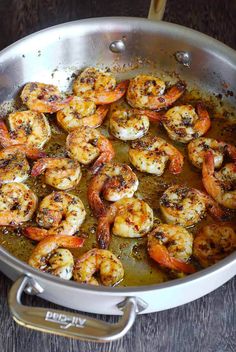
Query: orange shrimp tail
[
  {"x": 58, "y": 105},
  {"x": 38, "y": 167},
  {"x": 176, "y": 163},
  {"x": 94, "y": 200},
  {"x": 107, "y": 154},
  {"x": 35, "y": 153},
  {"x": 153, "y": 116},
  {"x": 71, "y": 242},
  {"x": 170, "y": 97},
  {"x": 108, "y": 97},
  {"x": 103, "y": 233},
  {"x": 35, "y": 233},
  {"x": 204, "y": 122},
  {"x": 5, "y": 139},
  {"x": 161, "y": 255},
  {"x": 231, "y": 149}
]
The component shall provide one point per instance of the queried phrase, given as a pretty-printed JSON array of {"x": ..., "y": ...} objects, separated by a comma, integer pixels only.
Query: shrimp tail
[
  {"x": 174, "y": 93},
  {"x": 4, "y": 135},
  {"x": 103, "y": 229},
  {"x": 94, "y": 189},
  {"x": 35, "y": 153},
  {"x": 35, "y": 233},
  {"x": 204, "y": 122},
  {"x": 103, "y": 233},
  {"x": 107, "y": 97},
  {"x": 212, "y": 187},
  {"x": 153, "y": 116},
  {"x": 39, "y": 167},
  {"x": 176, "y": 160},
  {"x": 58, "y": 104},
  {"x": 161, "y": 255},
  {"x": 107, "y": 154},
  {"x": 231, "y": 150}
]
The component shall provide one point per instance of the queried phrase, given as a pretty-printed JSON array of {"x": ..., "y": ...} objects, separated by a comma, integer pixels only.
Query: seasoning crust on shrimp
[
  {"x": 148, "y": 92},
  {"x": 26, "y": 127},
  {"x": 60, "y": 173},
  {"x": 221, "y": 184},
  {"x": 109, "y": 267},
  {"x": 199, "y": 146},
  {"x": 88, "y": 145},
  {"x": 151, "y": 154},
  {"x": 99, "y": 86},
  {"x": 183, "y": 123},
  {"x": 43, "y": 97},
  {"x": 59, "y": 213},
  {"x": 130, "y": 218},
  {"x": 114, "y": 182},
  {"x": 80, "y": 112},
  {"x": 186, "y": 206}
]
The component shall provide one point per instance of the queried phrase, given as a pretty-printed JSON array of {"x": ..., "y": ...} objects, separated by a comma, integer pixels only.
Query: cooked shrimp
[
  {"x": 60, "y": 213},
  {"x": 61, "y": 173},
  {"x": 86, "y": 145},
  {"x": 186, "y": 206},
  {"x": 79, "y": 112},
  {"x": 213, "y": 243},
  {"x": 14, "y": 166},
  {"x": 151, "y": 154},
  {"x": 47, "y": 256},
  {"x": 148, "y": 92},
  {"x": 130, "y": 124},
  {"x": 115, "y": 181},
  {"x": 130, "y": 217},
  {"x": 171, "y": 246},
  {"x": 17, "y": 203},
  {"x": 98, "y": 86},
  {"x": 221, "y": 185},
  {"x": 96, "y": 260},
  {"x": 43, "y": 97},
  {"x": 26, "y": 127},
  {"x": 198, "y": 147},
  {"x": 183, "y": 123}
]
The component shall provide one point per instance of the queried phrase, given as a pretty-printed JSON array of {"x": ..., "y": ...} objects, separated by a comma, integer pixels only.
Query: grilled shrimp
[
  {"x": 86, "y": 145},
  {"x": 48, "y": 256},
  {"x": 183, "y": 123},
  {"x": 148, "y": 92},
  {"x": 151, "y": 154},
  {"x": 61, "y": 173},
  {"x": 130, "y": 217},
  {"x": 96, "y": 260},
  {"x": 60, "y": 213},
  {"x": 17, "y": 203},
  {"x": 186, "y": 206},
  {"x": 221, "y": 185},
  {"x": 79, "y": 112},
  {"x": 130, "y": 124},
  {"x": 26, "y": 127},
  {"x": 14, "y": 166},
  {"x": 198, "y": 147},
  {"x": 98, "y": 86},
  {"x": 214, "y": 242},
  {"x": 115, "y": 181},
  {"x": 43, "y": 97},
  {"x": 171, "y": 246}
]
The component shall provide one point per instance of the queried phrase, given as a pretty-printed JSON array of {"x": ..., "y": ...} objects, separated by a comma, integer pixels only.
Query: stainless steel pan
[{"x": 60, "y": 50}]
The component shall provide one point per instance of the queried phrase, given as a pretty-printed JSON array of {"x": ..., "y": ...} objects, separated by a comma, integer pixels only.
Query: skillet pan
[{"x": 199, "y": 60}]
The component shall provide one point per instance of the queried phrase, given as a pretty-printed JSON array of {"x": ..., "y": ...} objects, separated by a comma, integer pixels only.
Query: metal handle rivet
[
  {"x": 183, "y": 57},
  {"x": 117, "y": 46}
]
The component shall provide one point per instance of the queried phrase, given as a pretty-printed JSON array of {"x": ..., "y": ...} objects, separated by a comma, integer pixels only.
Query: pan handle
[
  {"x": 70, "y": 324},
  {"x": 156, "y": 10}
]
